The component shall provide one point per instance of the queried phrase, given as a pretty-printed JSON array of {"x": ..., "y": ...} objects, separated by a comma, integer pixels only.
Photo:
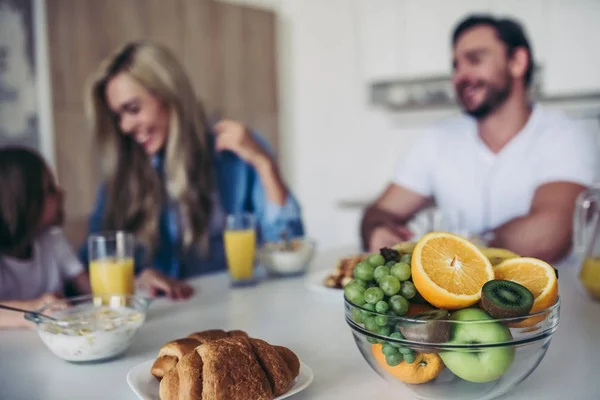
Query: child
[{"x": 36, "y": 260}]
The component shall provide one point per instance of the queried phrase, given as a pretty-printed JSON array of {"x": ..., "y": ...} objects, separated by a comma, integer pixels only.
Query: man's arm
[
  {"x": 383, "y": 222},
  {"x": 546, "y": 232}
]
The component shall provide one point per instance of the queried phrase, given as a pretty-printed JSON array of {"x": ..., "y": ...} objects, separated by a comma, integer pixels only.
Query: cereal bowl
[
  {"x": 289, "y": 258},
  {"x": 91, "y": 328}
]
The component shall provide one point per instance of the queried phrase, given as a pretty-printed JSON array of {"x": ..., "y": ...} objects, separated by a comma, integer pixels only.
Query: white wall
[{"x": 333, "y": 146}]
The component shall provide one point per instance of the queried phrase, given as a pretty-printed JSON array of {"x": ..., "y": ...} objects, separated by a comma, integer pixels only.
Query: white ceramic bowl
[
  {"x": 280, "y": 260},
  {"x": 92, "y": 328}
]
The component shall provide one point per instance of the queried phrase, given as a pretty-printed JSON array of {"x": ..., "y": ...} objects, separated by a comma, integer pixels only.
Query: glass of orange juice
[
  {"x": 111, "y": 256},
  {"x": 240, "y": 247}
]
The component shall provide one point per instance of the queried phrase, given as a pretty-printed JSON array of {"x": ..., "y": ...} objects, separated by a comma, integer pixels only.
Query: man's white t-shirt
[
  {"x": 476, "y": 189},
  {"x": 52, "y": 263}
]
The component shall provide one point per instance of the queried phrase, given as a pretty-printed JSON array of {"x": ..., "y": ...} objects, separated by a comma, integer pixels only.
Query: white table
[{"x": 284, "y": 312}]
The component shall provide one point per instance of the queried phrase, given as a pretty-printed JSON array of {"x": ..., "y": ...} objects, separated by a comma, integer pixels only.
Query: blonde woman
[{"x": 171, "y": 178}]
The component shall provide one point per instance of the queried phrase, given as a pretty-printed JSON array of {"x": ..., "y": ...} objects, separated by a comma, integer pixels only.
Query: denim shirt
[{"x": 238, "y": 189}]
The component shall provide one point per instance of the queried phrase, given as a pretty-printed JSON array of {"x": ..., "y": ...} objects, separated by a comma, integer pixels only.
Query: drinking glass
[
  {"x": 111, "y": 257},
  {"x": 240, "y": 248}
]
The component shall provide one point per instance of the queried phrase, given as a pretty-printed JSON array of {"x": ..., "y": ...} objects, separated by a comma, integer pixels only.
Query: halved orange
[
  {"x": 449, "y": 271},
  {"x": 536, "y": 275}
]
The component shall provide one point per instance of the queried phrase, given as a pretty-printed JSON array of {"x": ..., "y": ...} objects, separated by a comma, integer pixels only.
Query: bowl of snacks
[
  {"x": 91, "y": 328},
  {"x": 446, "y": 324},
  {"x": 287, "y": 257}
]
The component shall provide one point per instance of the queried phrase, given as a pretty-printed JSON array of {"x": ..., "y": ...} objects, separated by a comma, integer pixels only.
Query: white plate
[
  {"x": 145, "y": 385},
  {"x": 315, "y": 282}
]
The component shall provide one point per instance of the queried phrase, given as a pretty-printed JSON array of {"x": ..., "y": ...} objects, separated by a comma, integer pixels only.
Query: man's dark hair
[{"x": 510, "y": 32}]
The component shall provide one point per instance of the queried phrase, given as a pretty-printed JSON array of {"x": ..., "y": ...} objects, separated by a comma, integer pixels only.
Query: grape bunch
[{"x": 382, "y": 288}]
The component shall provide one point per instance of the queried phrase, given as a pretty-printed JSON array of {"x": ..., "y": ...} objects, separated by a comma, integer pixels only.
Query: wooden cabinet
[{"x": 228, "y": 51}]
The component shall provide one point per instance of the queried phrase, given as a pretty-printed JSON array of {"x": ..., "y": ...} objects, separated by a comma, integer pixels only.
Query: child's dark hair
[{"x": 23, "y": 175}]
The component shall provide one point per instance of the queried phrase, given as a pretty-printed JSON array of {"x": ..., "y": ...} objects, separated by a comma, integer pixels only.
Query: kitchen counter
[{"x": 310, "y": 323}]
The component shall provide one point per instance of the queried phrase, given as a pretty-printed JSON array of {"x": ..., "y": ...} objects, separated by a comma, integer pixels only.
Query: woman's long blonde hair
[{"x": 134, "y": 192}]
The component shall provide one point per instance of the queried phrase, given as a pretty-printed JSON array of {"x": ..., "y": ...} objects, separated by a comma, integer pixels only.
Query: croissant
[
  {"x": 232, "y": 368},
  {"x": 171, "y": 353}
]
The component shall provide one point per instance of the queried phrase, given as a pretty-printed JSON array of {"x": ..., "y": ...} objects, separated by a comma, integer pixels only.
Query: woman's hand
[
  {"x": 234, "y": 136},
  {"x": 156, "y": 283}
]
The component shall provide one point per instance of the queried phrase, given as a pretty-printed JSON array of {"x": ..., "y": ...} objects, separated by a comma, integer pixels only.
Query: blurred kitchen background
[{"x": 339, "y": 87}]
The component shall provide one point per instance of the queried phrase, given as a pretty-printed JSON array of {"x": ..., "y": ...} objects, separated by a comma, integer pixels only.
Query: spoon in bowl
[{"x": 32, "y": 315}]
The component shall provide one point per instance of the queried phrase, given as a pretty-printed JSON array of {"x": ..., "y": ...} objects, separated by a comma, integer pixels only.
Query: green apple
[{"x": 478, "y": 365}]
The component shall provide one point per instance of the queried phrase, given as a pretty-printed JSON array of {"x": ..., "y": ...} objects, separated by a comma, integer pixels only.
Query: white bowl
[
  {"x": 281, "y": 261},
  {"x": 92, "y": 328}
]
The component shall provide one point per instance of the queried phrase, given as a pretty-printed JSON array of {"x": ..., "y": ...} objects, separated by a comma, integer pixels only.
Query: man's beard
[{"x": 496, "y": 96}]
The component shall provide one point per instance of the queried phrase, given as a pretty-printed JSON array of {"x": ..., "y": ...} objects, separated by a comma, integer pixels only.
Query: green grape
[
  {"x": 398, "y": 336},
  {"x": 393, "y": 359},
  {"x": 364, "y": 271},
  {"x": 370, "y": 324},
  {"x": 356, "y": 315},
  {"x": 373, "y": 295},
  {"x": 408, "y": 290},
  {"x": 406, "y": 258},
  {"x": 399, "y": 304},
  {"x": 368, "y": 306},
  {"x": 410, "y": 357},
  {"x": 382, "y": 307},
  {"x": 390, "y": 285},
  {"x": 381, "y": 320},
  {"x": 388, "y": 350},
  {"x": 405, "y": 350},
  {"x": 401, "y": 271},
  {"x": 376, "y": 260},
  {"x": 359, "y": 282},
  {"x": 355, "y": 294},
  {"x": 384, "y": 330},
  {"x": 381, "y": 272}
]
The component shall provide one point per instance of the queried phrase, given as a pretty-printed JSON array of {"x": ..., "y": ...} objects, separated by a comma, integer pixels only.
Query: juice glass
[
  {"x": 240, "y": 247},
  {"x": 111, "y": 263}
]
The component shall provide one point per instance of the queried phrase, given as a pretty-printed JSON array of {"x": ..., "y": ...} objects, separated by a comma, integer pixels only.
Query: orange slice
[
  {"x": 536, "y": 275},
  {"x": 449, "y": 271}
]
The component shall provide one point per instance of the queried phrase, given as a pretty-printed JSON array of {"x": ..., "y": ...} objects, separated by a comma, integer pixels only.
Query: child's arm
[
  {"x": 75, "y": 277},
  {"x": 12, "y": 319},
  {"x": 81, "y": 283}
]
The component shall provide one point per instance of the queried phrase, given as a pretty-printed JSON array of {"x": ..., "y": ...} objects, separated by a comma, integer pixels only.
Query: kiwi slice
[
  {"x": 430, "y": 328},
  {"x": 506, "y": 299}
]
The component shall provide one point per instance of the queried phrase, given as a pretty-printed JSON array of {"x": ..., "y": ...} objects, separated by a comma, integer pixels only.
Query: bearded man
[{"x": 507, "y": 169}]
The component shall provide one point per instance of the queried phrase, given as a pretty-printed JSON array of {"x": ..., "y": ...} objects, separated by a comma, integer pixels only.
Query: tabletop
[{"x": 311, "y": 323}]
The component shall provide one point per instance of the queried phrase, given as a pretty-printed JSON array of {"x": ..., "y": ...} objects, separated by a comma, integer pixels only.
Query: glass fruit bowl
[
  {"x": 464, "y": 354},
  {"x": 91, "y": 328}
]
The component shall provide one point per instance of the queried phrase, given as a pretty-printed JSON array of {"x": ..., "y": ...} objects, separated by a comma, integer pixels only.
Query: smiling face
[
  {"x": 483, "y": 77},
  {"x": 138, "y": 112}
]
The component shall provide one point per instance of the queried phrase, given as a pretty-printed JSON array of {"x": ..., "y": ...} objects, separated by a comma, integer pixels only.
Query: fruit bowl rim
[
  {"x": 402, "y": 318},
  {"x": 443, "y": 346}
]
